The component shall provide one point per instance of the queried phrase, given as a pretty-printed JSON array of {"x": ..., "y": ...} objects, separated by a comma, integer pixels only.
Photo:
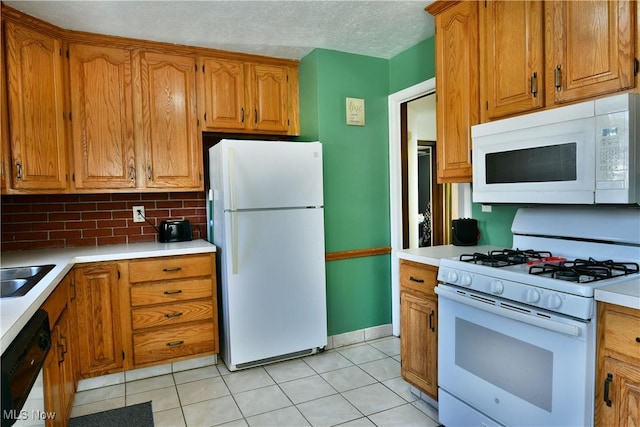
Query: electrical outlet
[{"x": 138, "y": 213}]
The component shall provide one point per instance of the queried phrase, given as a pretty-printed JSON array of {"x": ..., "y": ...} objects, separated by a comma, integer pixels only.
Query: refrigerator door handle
[
  {"x": 232, "y": 183},
  {"x": 234, "y": 242}
]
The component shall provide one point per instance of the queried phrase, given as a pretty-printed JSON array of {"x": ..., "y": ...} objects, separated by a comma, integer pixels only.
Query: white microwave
[{"x": 583, "y": 153}]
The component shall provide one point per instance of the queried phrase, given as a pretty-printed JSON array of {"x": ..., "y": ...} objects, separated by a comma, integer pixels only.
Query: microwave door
[{"x": 550, "y": 164}]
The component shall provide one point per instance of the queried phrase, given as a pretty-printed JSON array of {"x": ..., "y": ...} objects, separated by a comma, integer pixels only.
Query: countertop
[
  {"x": 15, "y": 312},
  {"x": 433, "y": 254},
  {"x": 625, "y": 293}
]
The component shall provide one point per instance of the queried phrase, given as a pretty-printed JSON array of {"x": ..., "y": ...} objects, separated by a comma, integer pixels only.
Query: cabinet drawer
[
  {"x": 171, "y": 314},
  {"x": 173, "y": 342},
  {"x": 167, "y": 268},
  {"x": 622, "y": 332},
  {"x": 179, "y": 290},
  {"x": 419, "y": 277}
]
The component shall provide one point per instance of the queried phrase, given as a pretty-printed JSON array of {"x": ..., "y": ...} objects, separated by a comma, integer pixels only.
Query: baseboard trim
[{"x": 359, "y": 336}]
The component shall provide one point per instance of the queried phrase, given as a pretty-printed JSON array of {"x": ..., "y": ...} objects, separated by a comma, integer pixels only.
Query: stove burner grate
[
  {"x": 505, "y": 257},
  {"x": 582, "y": 271}
]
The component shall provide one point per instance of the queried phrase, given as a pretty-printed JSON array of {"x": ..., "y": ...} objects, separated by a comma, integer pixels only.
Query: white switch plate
[{"x": 138, "y": 217}]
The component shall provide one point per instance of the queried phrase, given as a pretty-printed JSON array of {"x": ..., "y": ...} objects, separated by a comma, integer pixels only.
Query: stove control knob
[
  {"x": 466, "y": 280},
  {"x": 453, "y": 277},
  {"x": 555, "y": 301},
  {"x": 533, "y": 295},
  {"x": 497, "y": 287}
]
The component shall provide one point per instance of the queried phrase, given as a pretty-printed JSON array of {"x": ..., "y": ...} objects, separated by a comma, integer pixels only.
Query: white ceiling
[{"x": 283, "y": 29}]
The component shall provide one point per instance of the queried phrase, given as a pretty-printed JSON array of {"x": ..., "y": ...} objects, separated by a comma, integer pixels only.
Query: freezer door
[
  {"x": 271, "y": 174},
  {"x": 274, "y": 283}
]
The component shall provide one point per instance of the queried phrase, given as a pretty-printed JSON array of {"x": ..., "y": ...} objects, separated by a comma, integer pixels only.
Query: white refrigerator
[{"x": 266, "y": 205}]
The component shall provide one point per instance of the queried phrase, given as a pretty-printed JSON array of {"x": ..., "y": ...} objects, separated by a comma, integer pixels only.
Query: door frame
[{"x": 395, "y": 100}]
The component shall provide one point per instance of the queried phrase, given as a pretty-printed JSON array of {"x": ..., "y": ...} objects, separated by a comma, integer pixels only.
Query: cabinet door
[
  {"x": 170, "y": 128},
  {"x": 222, "y": 94},
  {"x": 512, "y": 57},
  {"x": 269, "y": 98},
  {"x": 35, "y": 100},
  {"x": 590, "y": 48},
  {"x": 102, "y": 117},
  {"x": 67, "y": 377},
  {"x": 99, "y": 335},
  {"x": 618, "y": 397},
  {"x": 457, "y": 89},
  {"x": 53, "y": 382},
  {"x": 418, "y": 342}
]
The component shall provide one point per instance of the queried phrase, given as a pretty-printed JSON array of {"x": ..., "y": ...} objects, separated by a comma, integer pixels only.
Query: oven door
[
  {"x": 549, "y": 163},
  {"x": 511, "y": 363}
]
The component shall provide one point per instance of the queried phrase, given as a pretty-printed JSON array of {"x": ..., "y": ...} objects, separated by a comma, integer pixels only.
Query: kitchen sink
[{"x": 17, "y": 281}]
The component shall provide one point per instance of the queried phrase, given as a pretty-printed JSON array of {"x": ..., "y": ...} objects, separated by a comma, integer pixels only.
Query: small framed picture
[{"x": 355, "y": 112}]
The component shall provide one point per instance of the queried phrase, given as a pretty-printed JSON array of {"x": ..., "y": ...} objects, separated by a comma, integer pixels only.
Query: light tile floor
[{"x": 358, "y": 385}]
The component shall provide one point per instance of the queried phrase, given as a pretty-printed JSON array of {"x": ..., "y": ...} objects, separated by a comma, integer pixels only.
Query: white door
[{"x": 275, "y": 283}]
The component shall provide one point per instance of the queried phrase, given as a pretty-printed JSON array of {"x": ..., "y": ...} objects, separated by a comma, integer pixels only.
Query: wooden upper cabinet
[
  {"x": 269, "y": 96},
  {"x": 590, "y": 48},
  {"x": 222, "y": 100},
  {"x": 169, "y": 122},
  {"x": 102, "y": 117},
  {"x": 247, "y": 97},
  {"x": 457, "y": 86},
  {"x": 512, "y": 58},
  {"x": 35, "y": 109}
]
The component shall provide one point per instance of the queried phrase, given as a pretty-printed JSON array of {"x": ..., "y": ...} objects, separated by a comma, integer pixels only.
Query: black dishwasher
[{"x": 21, "y": 364}]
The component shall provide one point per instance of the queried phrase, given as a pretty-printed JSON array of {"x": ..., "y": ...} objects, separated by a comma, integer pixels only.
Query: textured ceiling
[{"x": 284, "y": 29}]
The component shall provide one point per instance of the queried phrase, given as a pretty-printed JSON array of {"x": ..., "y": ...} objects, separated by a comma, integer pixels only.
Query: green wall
[
  {"x": 495, "y": 226},
  {"x": 412, "y": 66},
  {"x": 356, "y": 181},
  {"x": 356, "y": 174}
]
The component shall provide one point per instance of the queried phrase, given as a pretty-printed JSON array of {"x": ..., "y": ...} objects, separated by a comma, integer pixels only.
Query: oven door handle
[{"x": 551, "y": 325}]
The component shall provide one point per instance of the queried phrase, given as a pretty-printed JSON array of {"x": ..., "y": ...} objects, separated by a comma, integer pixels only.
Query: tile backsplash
[{"x": 69, "y": 220}]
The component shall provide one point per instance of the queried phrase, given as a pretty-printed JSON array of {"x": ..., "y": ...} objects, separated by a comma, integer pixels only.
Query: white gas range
[{"x": 517, "y": 327}]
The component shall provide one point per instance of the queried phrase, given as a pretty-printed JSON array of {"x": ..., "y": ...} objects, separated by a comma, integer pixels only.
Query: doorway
[{"x": 423, "y": 203}]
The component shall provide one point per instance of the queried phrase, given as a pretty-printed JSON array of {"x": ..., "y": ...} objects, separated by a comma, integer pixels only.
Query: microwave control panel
[{"x": 612, "y": 155}]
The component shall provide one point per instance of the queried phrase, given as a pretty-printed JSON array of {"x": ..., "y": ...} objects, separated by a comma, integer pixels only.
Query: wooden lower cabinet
[
  {"x": 98, "y": 321},
  {"x": 618, "y": 374},
  {"x": 419, "y": 326},
  {"x": 172, "y": 311},
  {"x": 58, "y": 369}
]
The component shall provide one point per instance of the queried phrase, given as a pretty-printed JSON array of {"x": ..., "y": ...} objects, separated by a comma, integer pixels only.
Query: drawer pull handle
[
  {"x": 172, "y": 270},
  {"x": 172, "y": 315},
  {"x": 175, "y": 343},
  {"x": 177, "y": 291},
  {"x": 413, "y": 279}
]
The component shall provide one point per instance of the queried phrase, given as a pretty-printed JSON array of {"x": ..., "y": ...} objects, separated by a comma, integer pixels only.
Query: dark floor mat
[{"x": 139, "y": 415}]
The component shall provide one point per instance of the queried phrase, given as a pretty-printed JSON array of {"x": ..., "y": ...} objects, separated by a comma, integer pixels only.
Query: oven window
[
  {"x": 540, "y": 164},
  {"x": 515, "y": 366}
]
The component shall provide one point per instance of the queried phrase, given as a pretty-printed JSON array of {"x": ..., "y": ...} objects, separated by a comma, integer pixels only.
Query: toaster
[{"x": 177, "y": 230}]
